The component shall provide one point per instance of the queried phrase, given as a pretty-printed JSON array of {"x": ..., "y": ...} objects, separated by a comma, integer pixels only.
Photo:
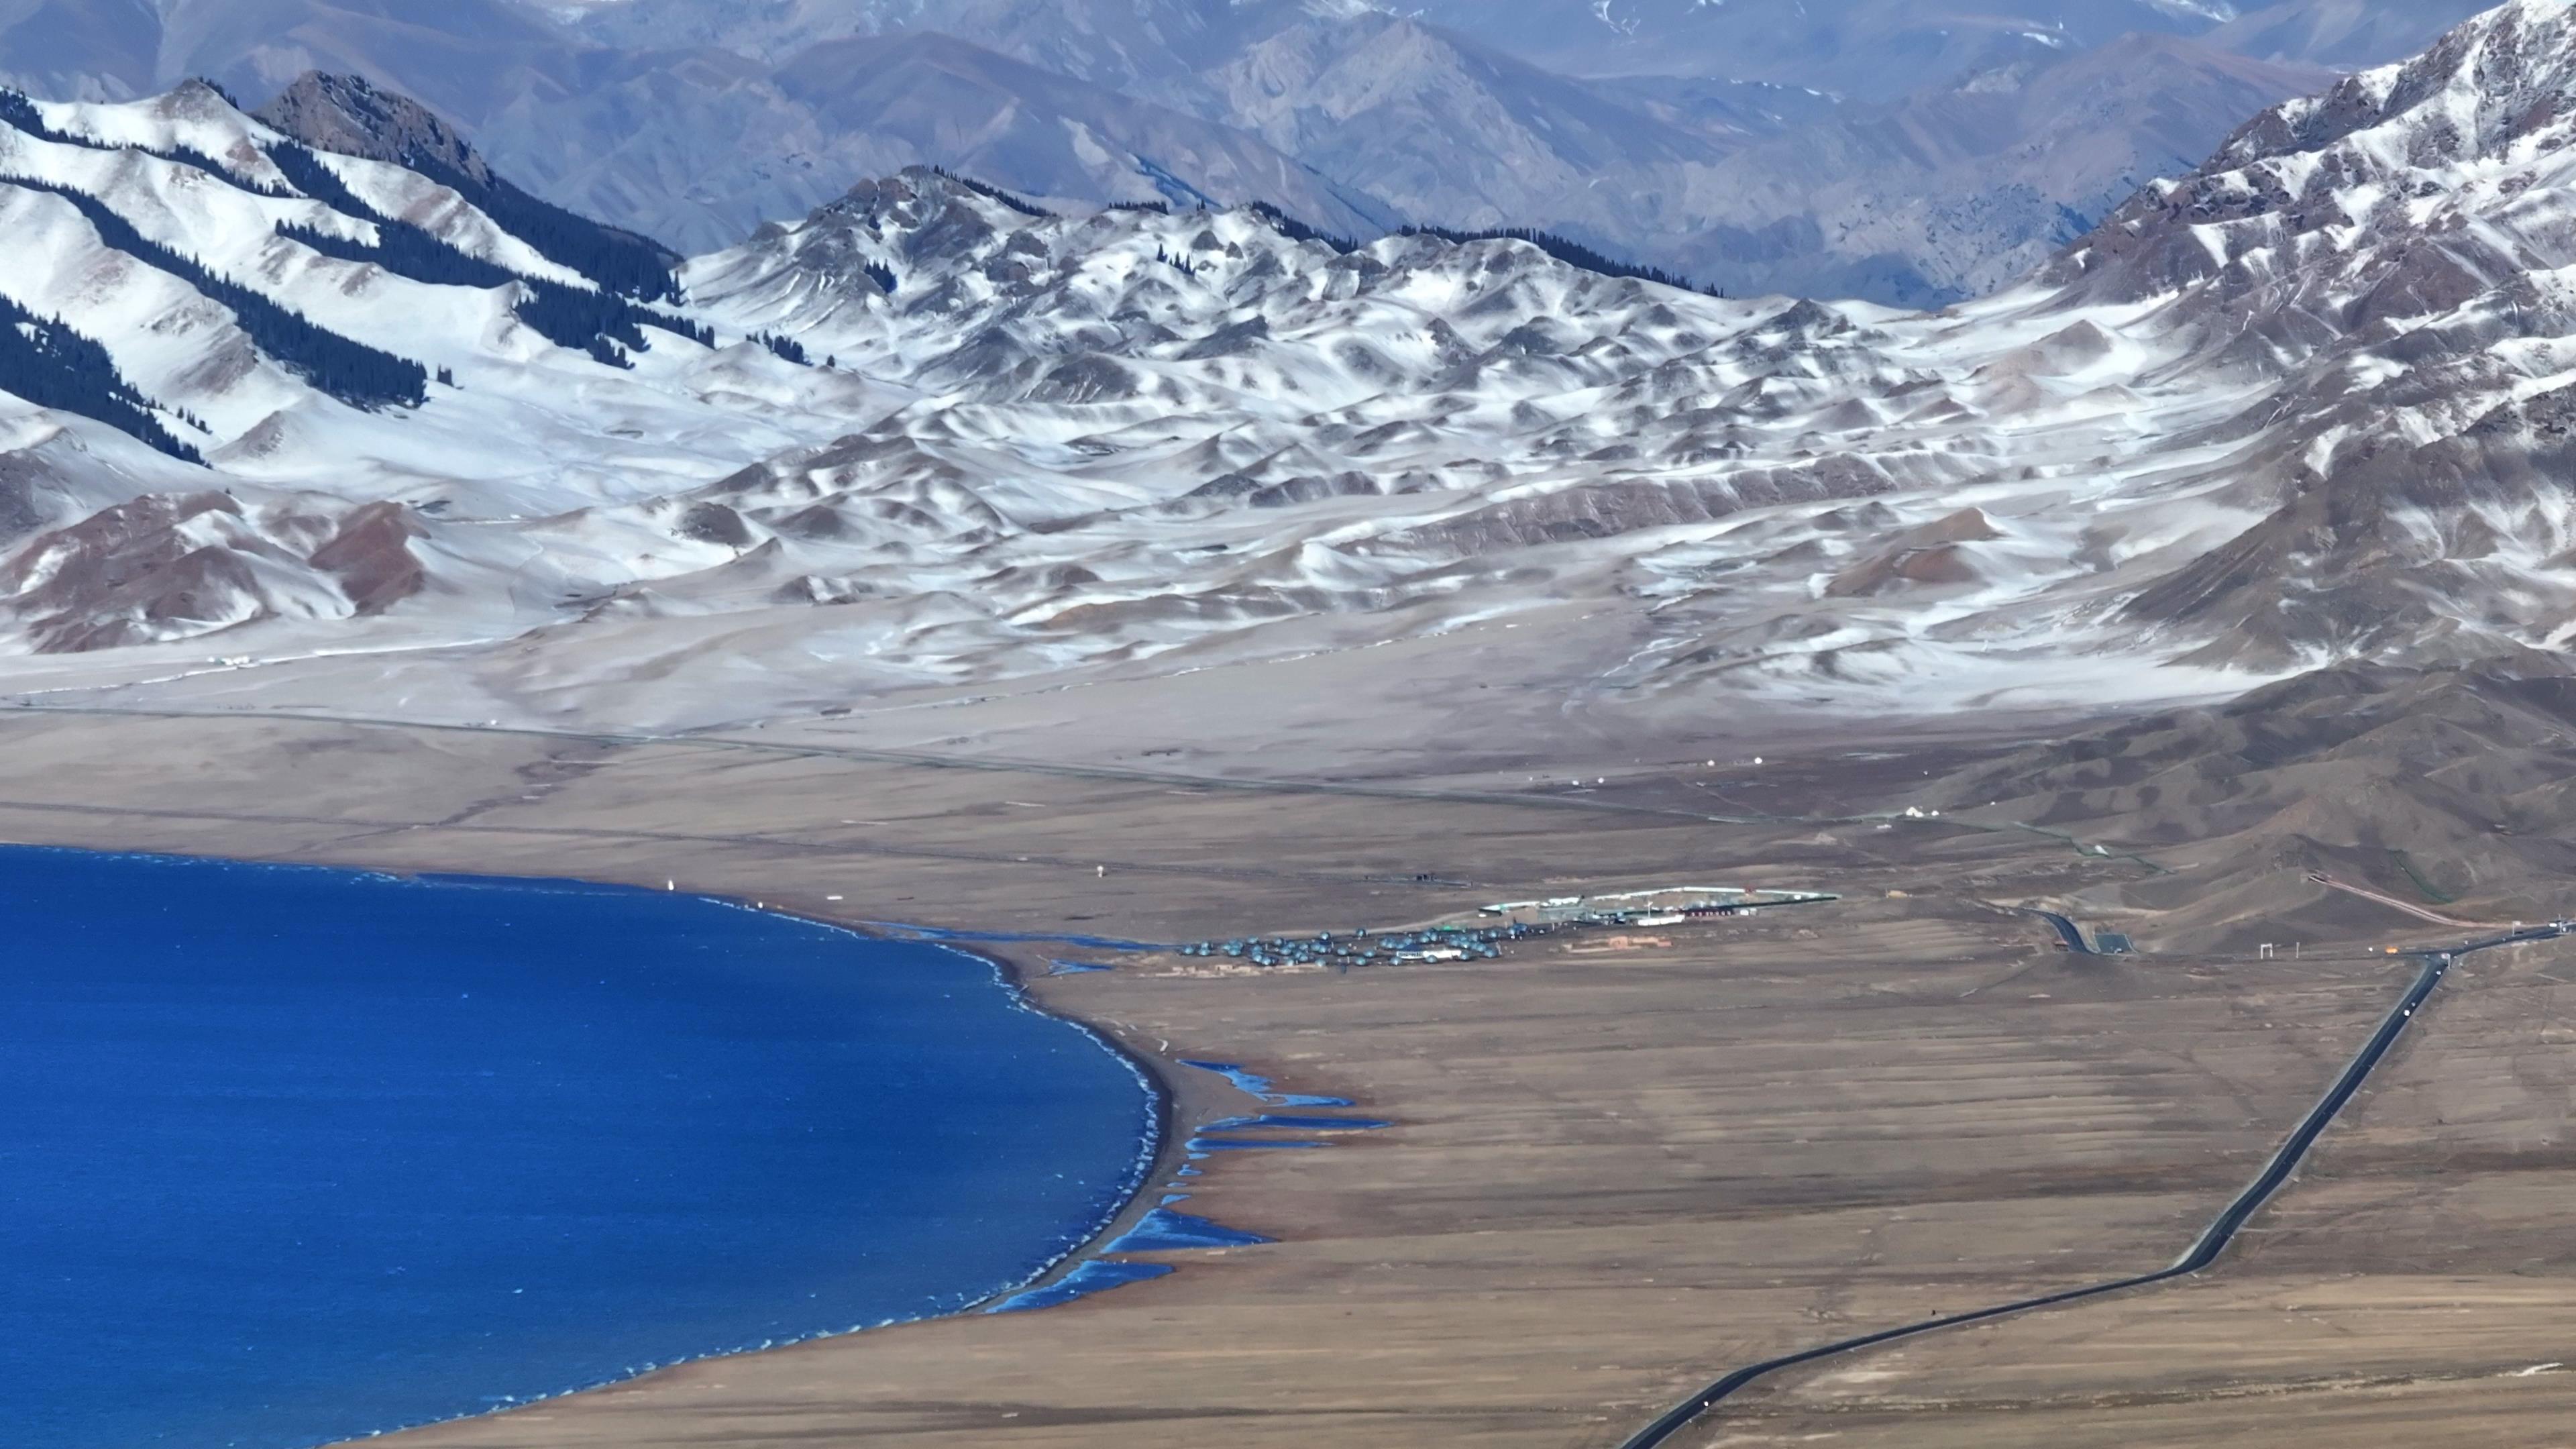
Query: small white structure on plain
[
  {"x": 1757, "y": 759},
  {"x": 831, "y": 898},
  {"x": 1101, "y": 871},
  {"x": 670, "y": 885}
]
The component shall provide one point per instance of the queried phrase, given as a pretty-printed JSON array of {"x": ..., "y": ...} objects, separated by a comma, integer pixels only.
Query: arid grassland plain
[{"x": 1616, "y": 1168}]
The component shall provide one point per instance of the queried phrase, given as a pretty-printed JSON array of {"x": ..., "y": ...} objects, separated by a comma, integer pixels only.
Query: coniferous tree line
[
  {"x": 881, "y": 274},
  {"x": 406, "y": 251},
  {"x": 1295, "y": 230},
  {"x": 572, "y": 316},
  {"x": 309, "y": 175},
  {"x": 987, "y": 189},
  {"x": 19, "y": 111},
  {"x": 357, "y": 374},
  {"x": 623, "y": 264},
  {"x": 52, "y": 366},
  {"x": 1572, "y": 253},
  {"x": 566, "y": 316},
  {"x": 619, "y": 261},
  {"x": 786, "y": 347}
]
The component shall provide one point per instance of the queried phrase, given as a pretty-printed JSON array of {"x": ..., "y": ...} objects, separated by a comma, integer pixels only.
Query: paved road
[
  {"x": 2203, "y": 1252},
  {"x": 2065, "y": 928}
]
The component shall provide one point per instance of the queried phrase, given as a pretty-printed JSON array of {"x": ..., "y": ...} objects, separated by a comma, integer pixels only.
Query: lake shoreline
[
  {"x": 1157, "y": 1174},
  {"x": 1156, "y": 1135},
  {"x": 1179, "y": 1107},
  {"x": 1170, "y": 1145}
]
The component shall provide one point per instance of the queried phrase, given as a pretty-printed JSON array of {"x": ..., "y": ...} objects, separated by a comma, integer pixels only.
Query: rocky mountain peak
[
  {"x": 2399, "y": 191},
  {"x": 344, "y": 113},
  {"x": 2482, "y": 88}
]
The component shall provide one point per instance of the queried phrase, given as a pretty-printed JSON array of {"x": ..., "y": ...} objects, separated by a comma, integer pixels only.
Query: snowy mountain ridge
[{"x": 2293, "y": 408}]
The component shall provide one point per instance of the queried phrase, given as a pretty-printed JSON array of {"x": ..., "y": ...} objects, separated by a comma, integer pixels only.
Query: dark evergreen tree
[
  {"x": 1295, "y": 230},
  {"x": 19, "y": 111},
  {"x": 882, "y": 275},
  {"x": 566, "y": 316},
  {"x": 786, "y": 347},
  {"x": 359, "y": 375},
  {"x": 619, "y": 261},
  {"x": 985, "y": 189},
  {"x": 317, "y": 180},
  {"x": 406, "y": 251},
  {"x": 52, "y": 366}
]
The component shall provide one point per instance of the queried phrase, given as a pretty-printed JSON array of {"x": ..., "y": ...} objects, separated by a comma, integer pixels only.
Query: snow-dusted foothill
[{"x": 2305, "y": 404}]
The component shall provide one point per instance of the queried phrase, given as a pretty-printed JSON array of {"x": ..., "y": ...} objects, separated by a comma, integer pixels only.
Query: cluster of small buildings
[
  {"x": 1363, "y": 948},
  {"x": 1519, "y": 920}
]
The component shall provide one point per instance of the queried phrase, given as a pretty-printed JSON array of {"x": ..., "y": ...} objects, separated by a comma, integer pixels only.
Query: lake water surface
[{"x": 289, "y": 1155}]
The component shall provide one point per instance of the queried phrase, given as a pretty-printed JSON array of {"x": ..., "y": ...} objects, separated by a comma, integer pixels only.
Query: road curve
[
  {"x": 2203, "y": 1252},
  {"x": 2065, "y": 929}
]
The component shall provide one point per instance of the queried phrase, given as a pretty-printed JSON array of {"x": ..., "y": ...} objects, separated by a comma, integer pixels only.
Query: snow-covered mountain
[
  {"x": 1969, "y": 143},
  {"x": 2406, "y": 243},
  {"x": 380, "y": 374},
  {"x": 692, "y": 143},
  {"x": 2307, "y": 403},
  {"x": 1888, "y": 149}
]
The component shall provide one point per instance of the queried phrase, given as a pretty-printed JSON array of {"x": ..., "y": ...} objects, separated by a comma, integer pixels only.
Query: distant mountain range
[
  {"x": 322, "y": 390},
  {"x": 1900, "y": 152}
]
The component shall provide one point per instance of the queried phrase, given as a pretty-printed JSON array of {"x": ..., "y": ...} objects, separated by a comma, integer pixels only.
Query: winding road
[
  {"x": 2203, "y": 1252},
  {"x": 2065, "y": 929}
]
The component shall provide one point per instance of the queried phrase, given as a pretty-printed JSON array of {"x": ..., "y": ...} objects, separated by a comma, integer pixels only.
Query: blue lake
[{"x": 291, "y": 1155}]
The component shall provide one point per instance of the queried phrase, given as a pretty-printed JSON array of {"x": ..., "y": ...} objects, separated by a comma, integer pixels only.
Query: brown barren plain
[{"x": 1611, "y": 1175}]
